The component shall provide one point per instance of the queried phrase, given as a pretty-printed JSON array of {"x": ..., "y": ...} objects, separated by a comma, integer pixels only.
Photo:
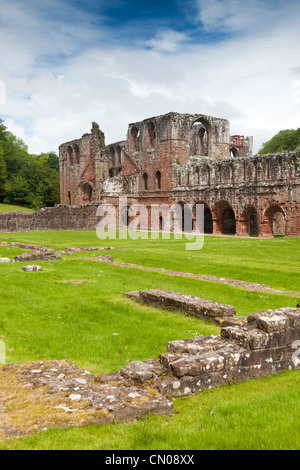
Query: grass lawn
[
  {"x": 9, "y": 208},
  {"x": 44, "y": 317}
]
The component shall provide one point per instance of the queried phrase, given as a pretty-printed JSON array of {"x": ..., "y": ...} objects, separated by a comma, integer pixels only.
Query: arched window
[
  {"x": 70, "y": 156},
  {"x": 199, "y": 138},
  {"x": 158, "y": 180},
  {"x": 76, "y": 154},
  {"x": 233, "y": 152},
  {"x": 145, "y": 181},
  {"x": 134, "y": 139}
]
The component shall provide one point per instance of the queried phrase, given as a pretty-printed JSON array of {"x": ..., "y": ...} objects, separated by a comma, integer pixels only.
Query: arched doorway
[
  {"x": 253, "y": 224},
  {"x": 278, "y": 224},
  {"x": 274, "y": 221},
  {"x": 249, "y": 222},
  {"x": 208, "y": 221},
  {"x": 228, "y": 221},
  {"x": 87, "y": 193}
]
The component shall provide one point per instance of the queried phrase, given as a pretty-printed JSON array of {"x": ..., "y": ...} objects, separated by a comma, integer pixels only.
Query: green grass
[
  {"x": 42, "y": 317},
  {"x": 267, "y": 261},
  {"x": 10, "y": 208}
]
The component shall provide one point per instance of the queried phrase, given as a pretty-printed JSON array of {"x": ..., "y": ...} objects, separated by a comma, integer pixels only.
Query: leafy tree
[
  {"x": 17, "y": 192},
  {"x": 25, "y": 179},
  {"x": 284, "y": 140}
]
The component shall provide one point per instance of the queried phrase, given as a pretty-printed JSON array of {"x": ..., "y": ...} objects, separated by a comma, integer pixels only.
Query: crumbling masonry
[{"x": 186, "y": 159}]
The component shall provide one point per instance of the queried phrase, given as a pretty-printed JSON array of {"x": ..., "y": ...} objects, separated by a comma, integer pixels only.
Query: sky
[{"x": 67, "y": 63}]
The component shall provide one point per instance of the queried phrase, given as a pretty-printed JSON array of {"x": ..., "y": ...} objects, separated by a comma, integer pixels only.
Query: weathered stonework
[
  {"x": 168, "y": 160},
  {"x": 263, "y": 345},
  {"x": 42, "y": 254},
  {"x": 188, "y": 304},
  {"x": 31, "y": 268},
  {"x": 188, "y": 159}
]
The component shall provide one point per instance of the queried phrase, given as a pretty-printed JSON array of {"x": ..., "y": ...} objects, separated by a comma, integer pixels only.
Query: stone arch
[
  {"x": 134, "y": 138},
  {"x": 151, "y": 135},
  {"x": 249, "y": 222},
  {"x": 275, "y": 220},
  {"x": 87, "y": 191},
  {"x": 145, "y": 181},
  {"x": 233, "y": 152},
  {"x": 158, "y": 182},
  {"x": 224, "y": 218},
  {"x": 200, "y": 137},
  {"x": 76, "y": 154}
]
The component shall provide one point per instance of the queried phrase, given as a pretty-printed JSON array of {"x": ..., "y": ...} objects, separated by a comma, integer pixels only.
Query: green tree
[
  {"x": 25, "y": 179},
  {"x": 284, "y": 140},
  {"x": 17, "y": 192}
]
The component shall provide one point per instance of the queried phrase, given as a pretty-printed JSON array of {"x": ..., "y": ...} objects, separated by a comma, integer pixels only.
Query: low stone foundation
[
  {"x": 188, "y": 304},
  {"x": 264, "y": 344}
]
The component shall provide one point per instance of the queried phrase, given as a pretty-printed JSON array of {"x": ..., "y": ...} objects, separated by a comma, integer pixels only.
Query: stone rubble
[
  {"x": 30, "y": 268},
  {"x": 264, "y": 344},
  {"x": 42, "y": 254}
]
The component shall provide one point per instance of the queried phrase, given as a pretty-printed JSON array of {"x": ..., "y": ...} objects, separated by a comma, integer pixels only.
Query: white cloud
[
  {"x": 168, "y": 40},
  {"x": 250, "y": 81}
]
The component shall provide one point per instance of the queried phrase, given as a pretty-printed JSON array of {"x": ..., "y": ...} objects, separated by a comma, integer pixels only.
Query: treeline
[
  {"x": 27, "y": 180},
  {"x": 284, "y": 140}
]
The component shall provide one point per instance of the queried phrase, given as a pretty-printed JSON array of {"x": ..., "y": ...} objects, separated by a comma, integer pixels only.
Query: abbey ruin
[
  {"x": 187, "y": 159},
  {"x": 173, "y": 159}
]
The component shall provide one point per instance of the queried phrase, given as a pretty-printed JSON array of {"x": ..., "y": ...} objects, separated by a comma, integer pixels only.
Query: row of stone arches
[
  {"x": 222, "y": 219},
  {"x": 199, "y": 137}
]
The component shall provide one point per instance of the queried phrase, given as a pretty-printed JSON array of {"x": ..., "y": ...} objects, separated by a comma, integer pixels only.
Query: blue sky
[{"x": 66, "y": 63}]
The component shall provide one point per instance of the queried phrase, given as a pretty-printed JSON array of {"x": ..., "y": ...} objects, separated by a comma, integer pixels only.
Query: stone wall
[
  {"x": 52, "y": 218},
  {"x": 259, "y": 345},
  {"x": 263, "y": 345}
]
